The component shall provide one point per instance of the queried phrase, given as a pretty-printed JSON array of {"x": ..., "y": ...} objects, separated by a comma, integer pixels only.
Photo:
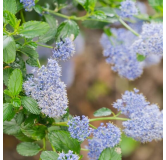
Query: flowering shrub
[{"x": 36, "y": 105}]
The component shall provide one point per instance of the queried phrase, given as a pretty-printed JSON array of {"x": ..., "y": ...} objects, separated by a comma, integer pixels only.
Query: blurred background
[{"x": 91, "y": 84}]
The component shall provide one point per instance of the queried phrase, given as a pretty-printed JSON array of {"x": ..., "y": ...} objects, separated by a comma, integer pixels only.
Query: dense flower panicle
[
  {"x": 78, "y": 128},
  {"x": 124, "y": 62},
  {"x": 128, "y": 8},
  {"x": 68, "y": 156},
  {"x": 103, "y": 137},
  {"x": 64, "y": 50},
  {"x": 131, "y": 102},
  {"x": 145, "y": 125},
  {"x": 48, "y": 90},
  {"x": 28, "y": 4},
  {"x": 150, "y": 40}
]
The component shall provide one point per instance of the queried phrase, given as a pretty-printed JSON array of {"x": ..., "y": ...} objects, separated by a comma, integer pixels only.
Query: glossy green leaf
[
  {"x": 6, "y": 74},
  {"x": 8, "y": 112},
  {"x": 49, "y": 155},
  {"x": 30, "y": 104},
  {"x": 89, "y": 5},
  {"x": 140, "y": 57},
  {"x": 99, "y": 15},
  {"x": 22, "y": 137},
  {"x": 67, "y": 29},
  {"x": 33, "y": 29},
  {"x": 28, "y": 149},
  {"x": 16, "y": 102},
  {"x": 9, "y": 49},
  {"x": 52, "y": 31},
  {"x": 7, "y": 92},
  {"x": 37, "y": 132},
  {"x": 11, "y": 127},
  {"x": 11, "y": 19},
  {"x": 62, "y": 141},
  {"x": 102, "y": 112},
  {"x": 30, "y": 52},
  {"x": 32, "y": 62},
  {"x": 38, "y": 9},
  {"x": 15, "y": 82},
  {"x": 19, "y": 118},
  {"x": 111, "y": 154},
  {"x": 10, "y": 6}
]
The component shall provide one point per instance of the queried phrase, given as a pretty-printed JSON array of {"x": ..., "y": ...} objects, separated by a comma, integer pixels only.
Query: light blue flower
[
  {"x": 131, "y": 102},
  {"x": 68, "y": 156},
  {"x": 128, "y": 8},
  {"x": 103, "y": 137},
  {"x": 28, "y": 4},
  {"x": 64, "y": 49},
  {"x": 145, "y": 125},
  {"x": 48, "y": 90},
  {"x": 79, "y": 128}
]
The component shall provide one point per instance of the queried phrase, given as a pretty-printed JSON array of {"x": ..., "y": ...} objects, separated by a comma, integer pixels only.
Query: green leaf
[
  {"x": 8, "y": 112},
  {"x": 19, "y": 5},
  {"x": 16, "y": 102},
  {"x": 102, "y": 112},
  {"x": 6, "y": 74},
  {"x": 66, "y": 29},
  {"x": 88, "y": 5},
  {"x": 140, "y": 57},
  {"x": 20, "y": 136},
  {"x": 33, "y": 29},
  {"x": 107, "y": 31},
  {"x": 111, "y": 154},
  {"x": 30, "y": 104},
  {"x": 11, "y": 127},
  {"x": 156, "y": 3},
  {"x": 10, "y": 6},
  {"x": 30, "y": 52},
  {"x": 38, "y": 9},
  {"x": 99, "y": 15},
  {"x": 32, "y": 62},
  {"x": 34, "y": 132},
  {"x": 11, "y": 19},
  {"x": 9, "y": 49},
  {"x": 95, "y": 24},
  {"x": 49, "y": 155},
  {"x": 62, "y": 141},
  {"x": 15, "y": 82},
  {"x": 19, "y": 118},
  {"x": 52, "y": 31},
  {"x": 28, "y": 149},
  {"x": 7, "y": 92}
]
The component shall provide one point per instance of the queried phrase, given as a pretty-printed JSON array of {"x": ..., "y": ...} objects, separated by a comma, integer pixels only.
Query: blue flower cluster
[
  {"x": 122, "y": 52},
  {"x": 47, "y": 88},
  {"x": 150, "y": 40},
  {"x": 68, "y": 156},
  {"x": 146, "y": 121},
  {"x": 118, "y": 53},
  {"x": 64, "y": 50},
  {"x": 128, "y": 8},
  {"x": 28, "y": 4},
  {"x": 145, "y": 125},
  {"x": 130, "y": 102},
  {"x": 78, "y": 128},
  {"x": 103, "y": 137}
]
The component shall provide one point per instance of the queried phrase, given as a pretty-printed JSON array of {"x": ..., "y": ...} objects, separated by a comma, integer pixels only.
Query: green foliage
[
  {"x": 102, "y": 112},
  {"x": 28, "y": 149},
  {"x": 62, "y": 141},
  {"x": 140, "y": 57},
  {"x": 156, "y": 4},
  {"x": 49, "y": 155},
  {"x": 10, "y": 6},
  {"x": 88, "y": 5},
  {"x": 8, "y": 112},
  {"x": 33, "y": 29},
  {"x": 32, "y": 62},
  {"x": 9, "y": 49},
  {"x": 16, "y": 102},
  {"x": 52, "y": 31},
  {"x": 6, "y": 74},
  {"x": 34, "y": 132},
  {"x": 111, "y": 154},
  {"x": 30, "y": 105},
  {"x": 20, "y": 136},
  {"x": 15, "y": 82},
  {"x": 67, "y": 29},
  {"x": 11, "y": 127},
  {"x": 19, "y": 118}
]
